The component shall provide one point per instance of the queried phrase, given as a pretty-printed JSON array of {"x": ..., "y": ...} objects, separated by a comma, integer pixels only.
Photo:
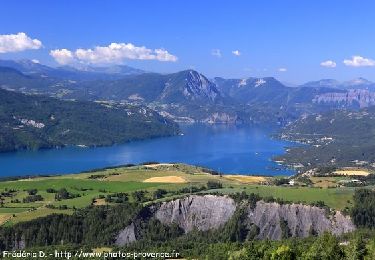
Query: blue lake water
[{"x": 229, "y": 149}]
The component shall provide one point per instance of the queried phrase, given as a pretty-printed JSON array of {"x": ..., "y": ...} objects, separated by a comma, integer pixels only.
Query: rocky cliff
[
  {"x": 272, "y": 219},
  {"x": 301, "y": 220},
  {"x": 353, "y": 97},
  {"x": 200, "y": 212}
]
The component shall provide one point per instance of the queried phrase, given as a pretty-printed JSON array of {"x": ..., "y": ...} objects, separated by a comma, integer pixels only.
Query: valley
[
  {"x": 241, "y": 163},
  {"x": 137, "y": 98}
]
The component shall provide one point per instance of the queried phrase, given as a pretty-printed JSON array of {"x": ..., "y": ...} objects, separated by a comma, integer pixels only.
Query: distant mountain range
[
  {"x": 188, "y": 95},
  {"x": 34, "y": 68},
  {"x": 358, "y": 83}
]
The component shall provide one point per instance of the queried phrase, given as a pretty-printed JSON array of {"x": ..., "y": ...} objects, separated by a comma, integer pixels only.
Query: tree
[
  {"x": 325, "y": 247},
  {"x": 159, "y": 193},
  {"x": 32, "y": 191},
  {"x": 214, "y": 185},
  {"x": 356, "y": 250},
  {"x": 283, "y": 252},
  {"x": 139, "y": 196}
]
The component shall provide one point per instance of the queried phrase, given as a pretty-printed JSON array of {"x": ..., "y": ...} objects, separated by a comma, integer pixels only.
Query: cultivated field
[
  {"x": 352, "y": 172},
  {"x": 91, "y": 188}
]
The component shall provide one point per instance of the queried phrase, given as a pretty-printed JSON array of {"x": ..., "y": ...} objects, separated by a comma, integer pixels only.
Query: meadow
[{"x": 90, "y": 188}]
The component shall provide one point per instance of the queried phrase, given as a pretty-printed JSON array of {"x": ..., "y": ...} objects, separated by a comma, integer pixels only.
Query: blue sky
[{"x": 282, "y": 38}]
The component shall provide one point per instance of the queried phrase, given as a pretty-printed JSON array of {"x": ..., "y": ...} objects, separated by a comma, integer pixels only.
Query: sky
[{"x": 293, "y": 40}]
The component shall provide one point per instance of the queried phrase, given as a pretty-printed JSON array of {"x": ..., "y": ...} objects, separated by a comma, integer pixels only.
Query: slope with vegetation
[
  {"x": 334, "y": 139},
  {"x": 33, "y": 122},
  {"x": 124, "y": 208}
]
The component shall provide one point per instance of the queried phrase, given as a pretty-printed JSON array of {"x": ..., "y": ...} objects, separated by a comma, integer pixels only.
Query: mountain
[
  {"x": 356, "y": 93},
  {"x": 122, "y": 70},
  {"x": 34, "y": 68},
  {"x": 189, "y": 85},
  {"x": 188, "y": 95},
  {"x": 232, "y": 87},
  {"x": 325, "y": 83},
  {"x": 181, "y": 87},
  {"x": 33, "y": 122},
  {"x": 183, "y": 96},
  {"x": 26, "y": 66},
  {"x": 358, "y": 83},
  {"x": 269, "y": 92}
]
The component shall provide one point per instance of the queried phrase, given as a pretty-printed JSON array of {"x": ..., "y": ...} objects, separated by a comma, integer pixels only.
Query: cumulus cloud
[
  {"x": 63, "y": 56},
  {"x": 114, "y": 53},
  {"x": 328, "y": 64},
  {"x": 359, "y": 61},
  {"x": 282, "y": 69},
  {"x": 216, "y": 52},
  {"x": 18, "y": 42},
  {"x": 236, "y": 53}
]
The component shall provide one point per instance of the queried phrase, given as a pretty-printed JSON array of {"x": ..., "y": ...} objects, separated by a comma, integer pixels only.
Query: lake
[{"x": 225, "y": 148}]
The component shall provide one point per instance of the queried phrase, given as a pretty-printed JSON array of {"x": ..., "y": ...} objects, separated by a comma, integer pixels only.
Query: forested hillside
[
  {"x": 33, "y": 122},
  {"x": 337, "y": 138}
]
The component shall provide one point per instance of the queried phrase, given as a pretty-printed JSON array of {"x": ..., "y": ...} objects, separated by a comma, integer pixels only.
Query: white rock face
[
  {"x": 301, "y": 220},
  {"x": 260, "y": 82},
  {"x": 198, "y": 86},
  {"x": 126, "y": 236},
  {"x": 32, "y": 123},
  {"x": 200, "y": 212},
  {"x": 363, "y": 97},
  {"x": 211, "y": 212}
]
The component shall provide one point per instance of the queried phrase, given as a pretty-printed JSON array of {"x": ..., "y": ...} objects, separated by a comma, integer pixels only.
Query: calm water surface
[{"x": 229, "y": 149}]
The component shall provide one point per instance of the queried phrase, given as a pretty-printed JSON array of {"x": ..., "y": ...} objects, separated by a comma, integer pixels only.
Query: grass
[
  {"x": 336, "y": 198},
  {"x": 12, "y": 210},
  {"x": 89, "y": 186}
]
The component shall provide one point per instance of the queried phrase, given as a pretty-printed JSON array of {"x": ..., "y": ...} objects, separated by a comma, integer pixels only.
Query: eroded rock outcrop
[
  {"x": 126, "y": 236},
  {"x": 272, "y": 220},
  {"x": 301, "y": 220},
  {"x": 200, "y": 212}
]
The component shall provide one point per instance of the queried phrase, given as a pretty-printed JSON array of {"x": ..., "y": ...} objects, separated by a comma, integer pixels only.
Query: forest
[
  {"x": 34, "y": 122},
  {"x": 97, "y": 226}
]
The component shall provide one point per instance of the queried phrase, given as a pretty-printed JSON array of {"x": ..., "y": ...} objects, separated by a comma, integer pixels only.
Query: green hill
[
  {"x": 33, "y": 122},
  {"x": 337, "y": 138}
]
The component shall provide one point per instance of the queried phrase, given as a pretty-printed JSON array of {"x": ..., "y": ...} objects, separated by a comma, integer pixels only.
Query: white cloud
[
  {"x": 18, "y": 42},
  {"x": 328, "y": 64},
  {"x": 282, "y": 69},
  {"x": 236, "y": 53},
  {"x": 35, "y": 61},
  {"x": 359, "y": 61},
  {"x": 114, "y": 53},
  {"x": 63, "y": 56},
  {"x": 216, "y": 52}
]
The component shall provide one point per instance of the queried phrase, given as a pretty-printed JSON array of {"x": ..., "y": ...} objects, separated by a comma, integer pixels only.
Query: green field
[
  {"x": 89, "y": 186},
  {"x": 335, "y": 198}
]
